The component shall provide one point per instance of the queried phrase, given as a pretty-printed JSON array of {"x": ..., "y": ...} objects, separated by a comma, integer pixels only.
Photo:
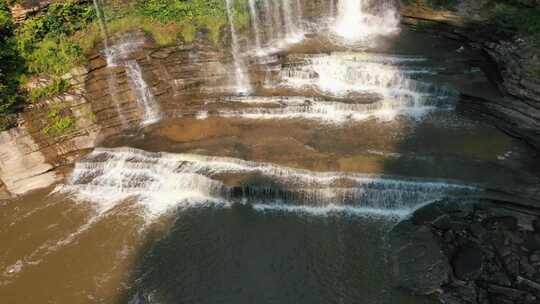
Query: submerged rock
[{"x": 419, "y": 264}]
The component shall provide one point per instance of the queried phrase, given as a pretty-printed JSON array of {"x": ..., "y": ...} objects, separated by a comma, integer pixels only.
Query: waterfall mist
[{"x": 364, "y": 19}]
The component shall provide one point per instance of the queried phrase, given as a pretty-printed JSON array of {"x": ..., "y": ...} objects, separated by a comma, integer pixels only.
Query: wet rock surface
[
  {"x": 487, "y": 251},
  {"x": 514, "y": 68}
]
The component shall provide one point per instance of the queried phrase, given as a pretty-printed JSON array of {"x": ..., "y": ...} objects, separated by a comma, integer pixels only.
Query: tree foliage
[{"x": 11, "y": 64}]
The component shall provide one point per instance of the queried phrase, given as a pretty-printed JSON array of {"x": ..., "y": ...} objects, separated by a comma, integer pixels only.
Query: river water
[{"x": 282, "y": 195}]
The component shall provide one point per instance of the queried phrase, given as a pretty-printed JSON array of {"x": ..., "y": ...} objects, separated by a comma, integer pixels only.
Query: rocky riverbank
[
  {"x": 515, "y": 59},
  {"x": 102, "y": 102},
  {"x": 470, "y": 252},
  {"x": 478, "y": 251},
  {"x": 92, "y": 111}
]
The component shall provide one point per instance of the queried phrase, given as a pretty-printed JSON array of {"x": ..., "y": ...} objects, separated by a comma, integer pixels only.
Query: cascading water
[
  {"x": 269, "y": 23},
  {"x": 360, "y": 20},
  {"x": 242, "y": 81},
  {"x": 161, "y": 181},
  {"x": 120, "y": 55},
  {"x": 324, "y": 176},
  {"x": 283, "y": 25},
  {"x": 299, "y": 13},
  {"x": 292, "y": 25},
  {"x": 144, "y": 94},
  {"x": 255, "y": 23},
  {"x": 289, "y": 25},
  {"x": 111, "y": 79},
  {"x": 103, "y": 29},
  {"x": 396, "y": 80},
  {"x": 276, "y": 18}
]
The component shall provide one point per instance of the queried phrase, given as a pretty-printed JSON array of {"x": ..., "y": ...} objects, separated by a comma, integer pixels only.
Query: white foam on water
[
  {"x": 334, "y": 209},
  {"x": 161, "y": 182},
  {"x": 119, "y": 52},
  {"x": 364, "y": 20},
  {"x": 394, "y": 78},
  {"x": 325, "y": 112}
]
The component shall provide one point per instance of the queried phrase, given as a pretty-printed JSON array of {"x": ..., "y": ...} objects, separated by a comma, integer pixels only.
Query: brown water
[{"x": 286, "y": 234}]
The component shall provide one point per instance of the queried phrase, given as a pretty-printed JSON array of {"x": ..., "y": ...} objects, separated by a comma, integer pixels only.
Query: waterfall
[
  {"x": 163, "y": 181},
  {"x": 364, "y": 19},
  {"x": 299, "y": 13},
  {"x": 268, "y": 19},
  {"x": 396, "y": 80},
  {"x": 111, "y": 79},
  {"x": 255, "y": 23},
  {"x": 103, "y": 28},
  {"x": 289, "y": 25},
  {"x": 242, "y": 81},
  {"x": 276, "y": 15},
  {"x": 144, "y": 94}
]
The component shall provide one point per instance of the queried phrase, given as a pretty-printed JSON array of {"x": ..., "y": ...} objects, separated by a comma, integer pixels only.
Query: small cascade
[
  {"x": 283, "y": 25},
  {"x": 292, "y": 26},
  {"x": 299, "y": 13},
  {"x": 121, "y": 52},
  {"x": 162, "y": 181},
  {"x": 289, "y": 26},
  {"x": 144, "y": 94},
  {"x": 315, "y": 109},
  {"x": 395, "y": 79},
  {"x": 111, "y": 79},
  {"x": 269, "y": 22},
  {"x": 255, "y": 23},
  {"x": 121, "y": 55},
  {"x": 360, "y": 20},
  {"x": 276, "y": 17},
  {"x": 242, "y": 80},
  {"x": 103, "y": 28}
]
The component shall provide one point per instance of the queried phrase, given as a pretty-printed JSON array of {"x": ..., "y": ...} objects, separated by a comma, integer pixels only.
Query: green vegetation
[
  {"x": 534, "y": 72},
  {"x": 168, "y": 21},
  {"x": 50, "y": 42},
  {"x": 41, "y": 45},
  {"x": 11, "y": 68},
  {"x": 54, "y": 40},
  {"x": 510, "y": 19},
  {"x": 57, "y": 87},
  {"x": 45, "y": 40},
  {"x": 60, "y": 120}
]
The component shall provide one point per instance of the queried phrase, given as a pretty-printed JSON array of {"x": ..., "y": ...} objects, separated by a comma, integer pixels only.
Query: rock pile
[{"x": 471, "y": 252}]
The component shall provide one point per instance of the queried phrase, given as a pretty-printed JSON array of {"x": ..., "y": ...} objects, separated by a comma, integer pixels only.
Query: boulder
[{"x": 419, "y": 264}]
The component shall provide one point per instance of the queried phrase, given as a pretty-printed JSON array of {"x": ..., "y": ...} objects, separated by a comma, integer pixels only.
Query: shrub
[
  {"x": 44, "y": 40},
  {"x": 11, "y": 67},
  {"x": 60, "y": 120},
  {"x": 510, "y": 19},
  {"x": 58, "y": 86}
]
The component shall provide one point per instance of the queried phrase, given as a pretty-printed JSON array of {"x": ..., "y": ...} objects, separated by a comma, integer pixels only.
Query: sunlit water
[
  {"x": 285, "y": 195},
  {"x": 364, "y": 20}
]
